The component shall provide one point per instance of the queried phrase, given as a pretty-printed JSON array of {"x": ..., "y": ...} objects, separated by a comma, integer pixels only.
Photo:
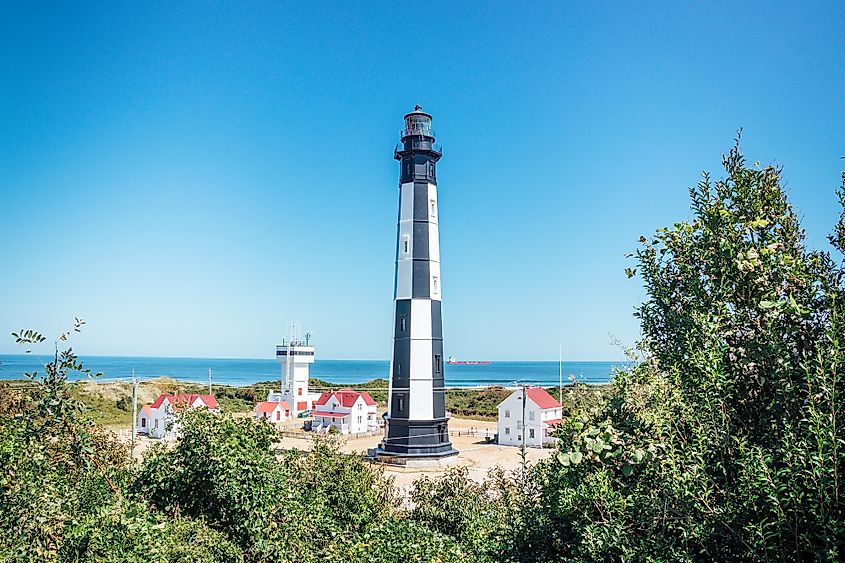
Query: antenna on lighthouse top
[{"x": 417, "y": 107}]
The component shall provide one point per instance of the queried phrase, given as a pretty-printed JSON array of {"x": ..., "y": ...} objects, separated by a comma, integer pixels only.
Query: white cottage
[
  {"x": 542, "y": 414},
  {"x": 273, "y": 411},
  {"x": 351, "y": 412},
  {"x": 158, "y": 419}
]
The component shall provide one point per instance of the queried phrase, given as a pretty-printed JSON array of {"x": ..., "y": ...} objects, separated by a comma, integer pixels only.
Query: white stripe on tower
[
  {"x": 405, "y": 250},
  {"x": 421, "y": 392},
  {"x": 433, "y": 245}
]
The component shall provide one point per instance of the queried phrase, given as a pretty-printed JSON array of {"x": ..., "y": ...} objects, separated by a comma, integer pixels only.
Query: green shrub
[{"x": 725, "y": 442}]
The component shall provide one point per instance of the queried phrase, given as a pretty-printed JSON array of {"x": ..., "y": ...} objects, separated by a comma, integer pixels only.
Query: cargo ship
[{"x": 453, "y": 362}]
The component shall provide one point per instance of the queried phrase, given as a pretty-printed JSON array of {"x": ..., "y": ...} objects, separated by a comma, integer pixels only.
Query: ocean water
[{"x": 239, "y": 372}]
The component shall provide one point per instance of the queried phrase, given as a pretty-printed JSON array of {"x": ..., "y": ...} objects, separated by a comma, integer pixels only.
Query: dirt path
[{"x": 467, "y": 436}]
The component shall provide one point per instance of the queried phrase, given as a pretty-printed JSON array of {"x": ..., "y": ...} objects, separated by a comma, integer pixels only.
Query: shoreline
[
  {"x": 320, "y": 383},
  {"x": 243, "y": 373}
]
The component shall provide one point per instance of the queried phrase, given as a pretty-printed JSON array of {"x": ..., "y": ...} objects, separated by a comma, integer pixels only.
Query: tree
[
  {"x": 63, "y": 482},
  {"x": 725, "y": 442}
]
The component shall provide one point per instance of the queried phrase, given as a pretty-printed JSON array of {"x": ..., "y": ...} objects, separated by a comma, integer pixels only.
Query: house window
[
  {"x": 507, "y": 414},
  {"x": 155, "y": 424},
  {"x": 143, "y": 423},
  {"x": 531, "y": 415},
  {"x": 433, "y": 208},
  {"x": 402, "y": 323},
  {"x": 507, "y": 430},
  {"x": 530, "y": 432},
  {"x": 434, "y": 283},
  {"x": 360, "y": 406},
  {"x": 299, "y": 391},
  {"x": 437, "y": 363},
  {"x": 359, "y": 420}
]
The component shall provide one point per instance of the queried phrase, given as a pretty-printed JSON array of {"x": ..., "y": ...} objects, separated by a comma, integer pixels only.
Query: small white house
[
  {"x": 158, "y": 419},
  {"x": 273, "y": 411},
  {"x": 542, "y": 414},
  {"x": 351, "y": 412}
]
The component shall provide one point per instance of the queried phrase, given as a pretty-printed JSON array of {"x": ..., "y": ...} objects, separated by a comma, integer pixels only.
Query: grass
[{"x": 109, "y": 403}]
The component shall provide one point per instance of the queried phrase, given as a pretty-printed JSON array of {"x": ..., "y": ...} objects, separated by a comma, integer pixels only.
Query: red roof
[
  {"x": 334, "y": 414},
  {"x": 541, "y": 398},
  {"x": 208, "y": 400},
  {"x": 270, "y": 406},
  {"x": 346, "y": 398},
  {"x": 189, "y": 399},
  {"x": 161, "y": 398},
  {"x": 323, "y": 399}
]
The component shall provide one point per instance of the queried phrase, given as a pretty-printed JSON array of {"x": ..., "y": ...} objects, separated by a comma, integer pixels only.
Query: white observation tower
[{"x": 295, "y": 356}]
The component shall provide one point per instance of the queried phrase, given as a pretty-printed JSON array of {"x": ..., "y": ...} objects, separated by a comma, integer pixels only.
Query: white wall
[{"x": 510, "y": 428}]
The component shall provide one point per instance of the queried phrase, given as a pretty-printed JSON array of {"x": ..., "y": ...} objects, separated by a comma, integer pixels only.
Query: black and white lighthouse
[{"x": 416, "y": 422}]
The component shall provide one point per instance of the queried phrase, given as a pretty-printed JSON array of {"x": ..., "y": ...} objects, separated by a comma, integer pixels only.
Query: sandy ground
[{"x": 468, "y": 437}]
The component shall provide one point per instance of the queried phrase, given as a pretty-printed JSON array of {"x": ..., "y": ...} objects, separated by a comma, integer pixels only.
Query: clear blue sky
[{"x": 190, "y": 177}]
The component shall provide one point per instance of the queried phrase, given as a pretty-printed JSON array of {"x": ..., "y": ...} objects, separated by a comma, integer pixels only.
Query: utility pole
[
  {"x": 134, "y": 413},
  {"x": 560, "y": 371},
  {"x": 524, "y": 430}
]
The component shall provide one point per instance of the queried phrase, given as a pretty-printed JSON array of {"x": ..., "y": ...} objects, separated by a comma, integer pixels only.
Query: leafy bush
[
  {"x": 725, "y": 442},
  {"x": 483, "y": 518}
]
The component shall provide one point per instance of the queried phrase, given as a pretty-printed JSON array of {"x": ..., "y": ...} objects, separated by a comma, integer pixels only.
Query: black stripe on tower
[
  {"x": 438, "y": 381},
  {"x": 421, "y": 279},
  {"x": 421, "y": 201},
  {"x": 418, "y": 167},
  {"x": 436, "y": 320},
  {"x": 400, "y": 377},
  {"x": 421, "y": 288},
  {"x": 420, "y": 240}
]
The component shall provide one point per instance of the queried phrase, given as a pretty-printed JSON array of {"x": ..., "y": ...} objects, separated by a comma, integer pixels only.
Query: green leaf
[
  {"x": 627, "y": 469},
  {"x": 563, "y": 458}
]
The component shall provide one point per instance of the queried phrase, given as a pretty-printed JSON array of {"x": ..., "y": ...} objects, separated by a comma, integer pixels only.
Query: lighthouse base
[
  {"x": 413, "y": 441},
  {"x": 380, "y": 456}
]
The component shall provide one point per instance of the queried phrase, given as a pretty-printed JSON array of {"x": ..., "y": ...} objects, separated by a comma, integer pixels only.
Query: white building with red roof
[
  {"x": 542, "y": 414},
  {"x": 273, "y": 411},
  {"x": 351, "y": 412},
  {"x": 158, "y": 419}
]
